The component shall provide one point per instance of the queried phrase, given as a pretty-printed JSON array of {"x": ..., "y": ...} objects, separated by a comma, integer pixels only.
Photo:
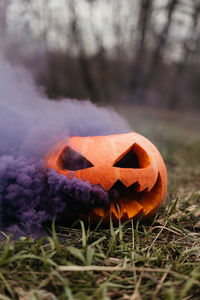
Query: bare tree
[
  {"x": 161, "y": 43},
  {"x": 189, "y": 46},
  {"x": 84, "y": 61},
  {"x": 127, "y": 57},
  {"x": 144, "y": 19}
]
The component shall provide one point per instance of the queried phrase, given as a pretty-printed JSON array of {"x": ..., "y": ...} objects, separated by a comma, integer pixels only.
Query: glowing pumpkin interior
[{"x": 128, "y": 163}]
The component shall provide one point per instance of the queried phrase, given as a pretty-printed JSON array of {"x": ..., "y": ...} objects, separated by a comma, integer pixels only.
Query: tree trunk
[
  {"x": 142, "y": 29},
  {"x": 181, "y": 67},
  {"x": 161, "y": 44}
]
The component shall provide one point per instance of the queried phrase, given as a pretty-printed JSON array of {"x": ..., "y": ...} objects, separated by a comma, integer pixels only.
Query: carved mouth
[{"x": 128, "y": 203}]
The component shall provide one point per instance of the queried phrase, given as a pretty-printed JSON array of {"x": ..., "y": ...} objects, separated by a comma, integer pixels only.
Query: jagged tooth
[
  {"x": 142, "y": 188},
  {"x": 118, "y": 213},
  {"x": 139, "y": 187},
  {"x": 126, "y": 184},
  {"x": 99, "y": 211},
  {"x": 132, "y": 208},
  {"x": 129, "y": 185}
]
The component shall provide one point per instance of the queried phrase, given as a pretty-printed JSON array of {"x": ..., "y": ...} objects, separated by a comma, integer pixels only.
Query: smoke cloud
[{"x": 30, "y": 124}]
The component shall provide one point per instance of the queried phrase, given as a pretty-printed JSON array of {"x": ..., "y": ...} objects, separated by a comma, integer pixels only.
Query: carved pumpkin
[{"x": 128, "y": 162}]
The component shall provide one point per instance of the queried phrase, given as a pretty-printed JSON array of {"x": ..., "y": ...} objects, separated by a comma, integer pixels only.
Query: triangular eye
[
  {"x": 73, "y": 161},
  {"x": 129, "y": 160},
  {"x": 135, "y": 157}
]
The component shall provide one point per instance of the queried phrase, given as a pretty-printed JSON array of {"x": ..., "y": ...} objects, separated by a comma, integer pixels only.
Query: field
[{"x": 159, "y": 259}]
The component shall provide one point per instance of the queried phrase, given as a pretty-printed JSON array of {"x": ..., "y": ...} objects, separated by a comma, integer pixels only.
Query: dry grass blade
[
  {"x": 91, "y": 268},
  {"x": 160, "y": 283}
]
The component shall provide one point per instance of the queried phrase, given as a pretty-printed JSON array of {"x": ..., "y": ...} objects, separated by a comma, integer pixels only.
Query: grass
[{"x": 155, "y": 260}]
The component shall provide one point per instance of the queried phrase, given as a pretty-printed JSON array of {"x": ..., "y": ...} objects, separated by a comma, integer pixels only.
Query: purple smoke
[{"x": 30, "y": 195}]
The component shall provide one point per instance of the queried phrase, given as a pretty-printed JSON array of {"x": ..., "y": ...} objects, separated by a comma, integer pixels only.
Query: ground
[{"x": 156, "y": 260}]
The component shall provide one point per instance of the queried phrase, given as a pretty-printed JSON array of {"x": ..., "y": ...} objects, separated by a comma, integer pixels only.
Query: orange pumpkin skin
[{"x": 145, "y": 184}]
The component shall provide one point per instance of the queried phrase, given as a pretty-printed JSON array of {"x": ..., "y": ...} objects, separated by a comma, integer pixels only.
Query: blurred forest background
[{"x": 143, "y": 52}]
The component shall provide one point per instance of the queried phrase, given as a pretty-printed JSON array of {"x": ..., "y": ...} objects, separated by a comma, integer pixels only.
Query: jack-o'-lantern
[{"x": 129, "y": 163}]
